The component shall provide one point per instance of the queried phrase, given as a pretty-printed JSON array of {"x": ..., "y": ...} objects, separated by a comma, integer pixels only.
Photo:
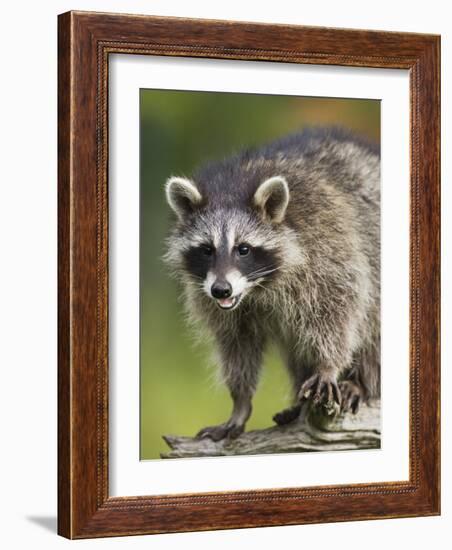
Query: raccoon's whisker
[
  {"x": 197, "y": 285},
  {"x": 260, "y": 285},
  {"x": 260, "y": 270},
  {"x": 196, "y": 279},
  {"x": 272, "y": 267},
  {"x": 257, "y": 274}
]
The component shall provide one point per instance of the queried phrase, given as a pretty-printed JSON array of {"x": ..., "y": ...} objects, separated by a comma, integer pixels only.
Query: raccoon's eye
[
  {"x": 243, "y": 249},
  {"x": 206, "y": 249}
]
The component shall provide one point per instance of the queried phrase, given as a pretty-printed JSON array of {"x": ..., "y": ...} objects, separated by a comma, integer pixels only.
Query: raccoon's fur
[{"x": 282, "y": 243}]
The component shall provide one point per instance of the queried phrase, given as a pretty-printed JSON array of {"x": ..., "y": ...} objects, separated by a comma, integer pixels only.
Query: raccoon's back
[{"x": 306, "y": 159}]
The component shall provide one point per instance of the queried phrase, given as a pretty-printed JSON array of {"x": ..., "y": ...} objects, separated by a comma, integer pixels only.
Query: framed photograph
[{"x": 248, "y": 275}]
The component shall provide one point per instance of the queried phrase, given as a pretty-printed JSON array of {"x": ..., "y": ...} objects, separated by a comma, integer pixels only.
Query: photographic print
[{"x": 259, "y": 274}]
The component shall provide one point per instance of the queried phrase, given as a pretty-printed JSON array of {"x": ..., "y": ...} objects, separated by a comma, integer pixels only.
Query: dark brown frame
[{"x": 85, "y": 41}]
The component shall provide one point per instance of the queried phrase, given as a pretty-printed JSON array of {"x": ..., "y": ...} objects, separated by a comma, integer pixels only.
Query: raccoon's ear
[
  {"x": 272, "y": 198},
  {"x": 182, "y": 195}
]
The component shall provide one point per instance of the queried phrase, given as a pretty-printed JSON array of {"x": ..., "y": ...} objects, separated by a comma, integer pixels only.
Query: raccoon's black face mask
[
  {"x": 228, "y": 273},
  {"x": 229, "y": 251}
]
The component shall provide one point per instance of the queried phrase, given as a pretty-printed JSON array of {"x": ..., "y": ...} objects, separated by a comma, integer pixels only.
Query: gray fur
[{"x": 321, "y": 303}]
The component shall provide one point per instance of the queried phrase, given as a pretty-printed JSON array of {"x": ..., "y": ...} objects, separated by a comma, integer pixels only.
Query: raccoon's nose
[{"x": 221, "y": 289}]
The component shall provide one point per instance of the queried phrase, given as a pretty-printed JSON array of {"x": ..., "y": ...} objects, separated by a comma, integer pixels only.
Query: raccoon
[{"x": 281, "y": 244}]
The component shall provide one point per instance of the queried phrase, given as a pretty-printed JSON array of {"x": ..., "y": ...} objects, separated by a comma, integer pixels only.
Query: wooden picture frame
[{"x": 85, "y": 42}]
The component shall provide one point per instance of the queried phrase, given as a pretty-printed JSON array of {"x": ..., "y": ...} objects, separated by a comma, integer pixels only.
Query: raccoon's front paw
[
  {"x": 352, "y": 396},
  {"x": 322, "y": 388},
  {"x": 222, "y": 431}
]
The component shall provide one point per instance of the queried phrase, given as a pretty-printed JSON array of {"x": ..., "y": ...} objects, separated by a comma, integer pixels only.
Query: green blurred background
[{"x": 179, "y": 131}]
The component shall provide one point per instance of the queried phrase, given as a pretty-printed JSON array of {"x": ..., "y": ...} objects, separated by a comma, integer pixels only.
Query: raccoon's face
[
  {"x": 227, "y": 252},
  {"x": 228, "y": 256}
]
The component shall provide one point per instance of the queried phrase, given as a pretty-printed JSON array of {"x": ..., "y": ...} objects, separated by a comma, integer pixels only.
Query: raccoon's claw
[
  {"x": 287, "y": 415},
  {"x": 321, "y": 388},
  {"x": 352, "y": 396},
  {"x": 222, "y": 431}
]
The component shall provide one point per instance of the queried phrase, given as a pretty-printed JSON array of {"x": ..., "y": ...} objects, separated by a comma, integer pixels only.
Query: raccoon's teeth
[{"x": 226, "y": 303}]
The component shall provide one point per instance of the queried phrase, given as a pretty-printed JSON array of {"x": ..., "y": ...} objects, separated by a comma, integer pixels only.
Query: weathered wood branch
[{"x": 315, "y": 430}]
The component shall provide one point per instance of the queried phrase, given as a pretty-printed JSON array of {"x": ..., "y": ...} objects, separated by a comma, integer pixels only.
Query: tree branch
[{"x": 314, "y": 430}]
